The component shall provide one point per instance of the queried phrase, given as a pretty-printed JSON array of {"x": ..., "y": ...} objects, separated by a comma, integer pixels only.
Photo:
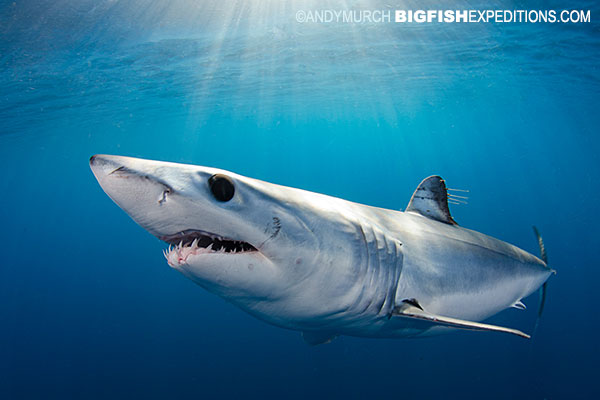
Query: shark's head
[{"x": 251, "y": 242}]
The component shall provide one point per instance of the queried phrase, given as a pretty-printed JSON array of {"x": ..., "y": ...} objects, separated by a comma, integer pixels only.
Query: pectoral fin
[
  {"x": 410, "y": 308},
  {"x": 318, "y": 337}
]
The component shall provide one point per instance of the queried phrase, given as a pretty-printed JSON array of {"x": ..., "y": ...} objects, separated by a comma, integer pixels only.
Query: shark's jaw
[
  {"x": 191, "y": 244},
  {"x": 221, "y": 265}
]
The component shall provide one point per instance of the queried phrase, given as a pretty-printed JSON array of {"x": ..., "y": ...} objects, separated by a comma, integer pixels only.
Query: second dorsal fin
[{"x": 431, "y": 200}]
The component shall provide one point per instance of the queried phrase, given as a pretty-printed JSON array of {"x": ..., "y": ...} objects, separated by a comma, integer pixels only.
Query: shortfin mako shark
[{"x": 319, "y": 264}]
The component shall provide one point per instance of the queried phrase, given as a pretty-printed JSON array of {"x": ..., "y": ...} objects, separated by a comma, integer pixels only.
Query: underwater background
[{"x": 88, "y": 305}]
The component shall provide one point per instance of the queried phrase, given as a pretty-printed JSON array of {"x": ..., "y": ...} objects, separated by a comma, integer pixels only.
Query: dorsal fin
[{"x": 431, "y": 200}]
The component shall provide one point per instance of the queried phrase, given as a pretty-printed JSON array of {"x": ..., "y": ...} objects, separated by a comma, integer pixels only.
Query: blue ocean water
[{"x": 88, "y": 305}]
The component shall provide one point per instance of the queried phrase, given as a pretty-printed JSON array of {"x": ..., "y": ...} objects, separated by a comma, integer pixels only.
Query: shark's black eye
[{"x": 221, "y": 187}]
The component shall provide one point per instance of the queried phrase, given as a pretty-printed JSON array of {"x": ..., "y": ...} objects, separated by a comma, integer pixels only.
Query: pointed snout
[
  {"x": 136, "y": 185},
  {"x": 101, "y": 159},
  {"x": 103, "y": 165},
  {"x": 108, "y": 169}
]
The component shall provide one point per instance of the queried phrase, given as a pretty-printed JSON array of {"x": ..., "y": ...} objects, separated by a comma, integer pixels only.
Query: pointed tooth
[
  {"x": 195, "y": 243},
  {"x": 180, "y": 244}
]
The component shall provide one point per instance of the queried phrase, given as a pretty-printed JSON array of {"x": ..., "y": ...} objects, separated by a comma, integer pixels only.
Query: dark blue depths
[{"x": 88, "y": 305}]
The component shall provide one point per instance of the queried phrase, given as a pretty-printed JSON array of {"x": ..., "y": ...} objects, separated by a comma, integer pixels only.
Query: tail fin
[
  {"x": 541, "y": 244},
  {"x": 544, "y": 289},
  {"x": 544, "y": 257}
]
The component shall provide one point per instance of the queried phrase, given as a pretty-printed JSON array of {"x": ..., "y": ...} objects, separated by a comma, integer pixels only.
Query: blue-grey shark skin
[{"x": 323, "y": 265}]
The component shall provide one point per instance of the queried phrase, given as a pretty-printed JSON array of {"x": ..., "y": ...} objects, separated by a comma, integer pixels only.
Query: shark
[{"x": 322, "y": 265}]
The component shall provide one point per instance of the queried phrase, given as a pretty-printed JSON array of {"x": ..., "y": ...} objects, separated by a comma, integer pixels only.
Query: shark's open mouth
[
  {"x": 203, "y": 239},
  {"x": 195, "y": 242}
]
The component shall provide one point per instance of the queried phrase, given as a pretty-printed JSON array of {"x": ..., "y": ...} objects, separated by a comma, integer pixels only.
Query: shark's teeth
[
  {"x": 197, "y": 238},
  {"x": 194, "y": 242}
]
